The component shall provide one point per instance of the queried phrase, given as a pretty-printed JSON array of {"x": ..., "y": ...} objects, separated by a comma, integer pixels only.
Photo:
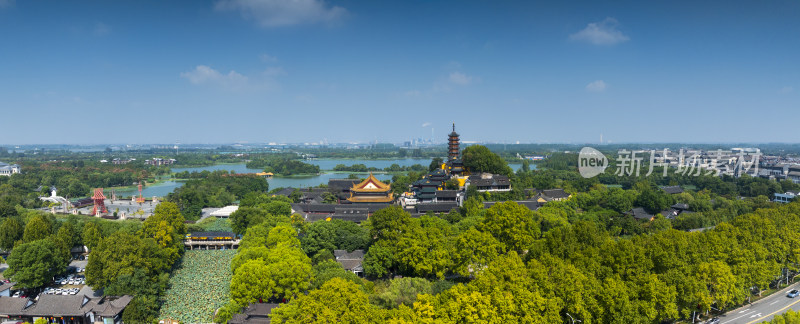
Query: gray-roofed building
[
  {"x": 9, "y": 169},
  {"x": 489, "y": 182},
  {"x": 70, "y": 309},
  {"x": 342, "y": 184},
  {"x": 680, "y": 206},
  {"x": 286, "y": 192},
  {"x": 640, "y": 214},
  {"x": 446, "y": 195},
  {"x": 672, "y": 189},
  {"x": 670, "y": 213},
  {"x": 12, "y": 307},
  {"x": 349, "y": 212},
  {"x": 5, "y": 289},
  {"x": 556, "y": 194},
  {"x": 785, "y": 197},
  {"x": 442, "y": 207},
  {"x": 254, "y": 314},
  {"x": 350, "y": 261}
]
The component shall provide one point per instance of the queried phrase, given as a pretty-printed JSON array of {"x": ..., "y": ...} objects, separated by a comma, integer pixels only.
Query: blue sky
[{"x": 82, "y": 72}]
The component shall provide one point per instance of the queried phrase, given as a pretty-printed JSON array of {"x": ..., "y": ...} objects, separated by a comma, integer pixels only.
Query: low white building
[
  {"x": 224, "y": 212},
  {"x": 8, "y": 169}
]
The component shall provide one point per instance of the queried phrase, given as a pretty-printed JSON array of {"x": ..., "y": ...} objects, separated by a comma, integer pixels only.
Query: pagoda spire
[{"x": 452, "y": 144}]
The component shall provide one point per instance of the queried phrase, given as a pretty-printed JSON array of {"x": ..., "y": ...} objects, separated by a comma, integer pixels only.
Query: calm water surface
[{"x": 164, "y": 188}]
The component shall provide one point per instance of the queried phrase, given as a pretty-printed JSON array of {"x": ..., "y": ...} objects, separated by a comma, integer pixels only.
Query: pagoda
[
  {"x": 99, "y": 203},
  {"x": 452, "y": 144},
  {"x": 371, "y": 190},
  {"x": 454, "y": 165}
]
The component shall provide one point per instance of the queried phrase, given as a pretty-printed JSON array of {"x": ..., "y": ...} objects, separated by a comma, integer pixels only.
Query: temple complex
[{"x": 371, "y": 190}]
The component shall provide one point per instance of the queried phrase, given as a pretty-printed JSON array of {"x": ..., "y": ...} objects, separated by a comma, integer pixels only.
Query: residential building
[
  {"x": 9, "y": 169},
  {"x": 66, "y": 309},
  {"x": 489, "y": 182},
  {"x": 350, "y": 261},
  {"x": 785, "y": 197},
  {"x": 640, "y": 214},
  {"x": 159, "y": 161},
  {"x": 254, "y": 314}
]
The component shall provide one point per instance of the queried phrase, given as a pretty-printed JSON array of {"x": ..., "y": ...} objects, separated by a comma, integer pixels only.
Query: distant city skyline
[{"x": 228, "y": 71}]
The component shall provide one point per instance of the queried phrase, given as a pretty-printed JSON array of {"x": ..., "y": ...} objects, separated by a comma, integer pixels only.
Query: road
[{"x": 763, "y": 310}]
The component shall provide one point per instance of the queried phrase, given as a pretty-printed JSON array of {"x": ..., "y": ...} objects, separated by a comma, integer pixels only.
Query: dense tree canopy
[
  {"x": 478, "y": 158},
  {"x": 34, "y": 264}
]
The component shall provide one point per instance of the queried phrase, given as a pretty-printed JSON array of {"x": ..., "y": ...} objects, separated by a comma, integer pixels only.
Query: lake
[{"x": 163, "y": 188}]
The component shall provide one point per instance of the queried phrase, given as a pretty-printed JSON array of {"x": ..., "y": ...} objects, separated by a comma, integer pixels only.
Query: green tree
[
  {"x": 245, "y": 217},
  {"x": 281, "y": 208},
  {"x": 388, "y": 223},
  {"x": 338, "y": 301},
  {"x": 91, "y": 235},
  {"x": 251, "y": 283},
  {"x": 329, "y": 269},
  {"x": 67, "y": 237},
  {"x": 282, "y": 234},
  {"x": 252, "y": 253},
  {"x": 123, "y": 253},
  {"x": 34, "y": 264},
  {"x": 403, "y": 291},
  {"x": 474, "y": 250},
  {"x": 8, "y": 210},
  {"x": 512, "y": 224},
  {"x": 142, "y": 309},
  {"x": 11, "y": 231},
  {"x": 169, "y": 212},
  {"x": 37, "y": 228},
  {"x": 436, "y": 163},
  {"x": 478, "y": 158},
  {"x": 379, "y": 261}
]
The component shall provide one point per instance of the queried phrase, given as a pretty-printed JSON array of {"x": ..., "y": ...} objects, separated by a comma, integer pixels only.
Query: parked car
[
  {"x": 793, "y": 293},
  {"x": 714, "y": 320}
]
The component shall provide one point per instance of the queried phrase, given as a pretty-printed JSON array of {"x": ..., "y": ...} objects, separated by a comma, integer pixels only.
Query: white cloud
[
  {"x": 426, "y": 124},
  {"x": 276, "y": 13},
  {"x": 268, "y": 58},
  {"x": 596, "y": 86},
  {"x": 203, "y": 74},
  {"x": 274, "y": 71},
  {"x": 460, "y": 78},
  {"x": 601, "y": 33},
  {"x": 787, "y": 89},
  {"x": 6, "y": 3},
  {"x": 101, "y": 29}
]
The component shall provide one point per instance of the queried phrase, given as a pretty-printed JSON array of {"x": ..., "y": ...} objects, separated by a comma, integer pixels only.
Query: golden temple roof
[{"x": 371, "y": 184}]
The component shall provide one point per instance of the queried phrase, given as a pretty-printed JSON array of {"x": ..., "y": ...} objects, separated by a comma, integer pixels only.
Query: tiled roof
[
  {"x": 447, "y": 193},
  {"x": 345, "y": 255},
  {"x": 639, "y": 213},
  {"x": 555, "y": 193},
  {"x": 254, "y": 314},
  {"x": 12, "y": 306},
  {"x": 5, "y": 286},
  {"x": 672, "y": 189},
  {"x": 443, "y": 207}
]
